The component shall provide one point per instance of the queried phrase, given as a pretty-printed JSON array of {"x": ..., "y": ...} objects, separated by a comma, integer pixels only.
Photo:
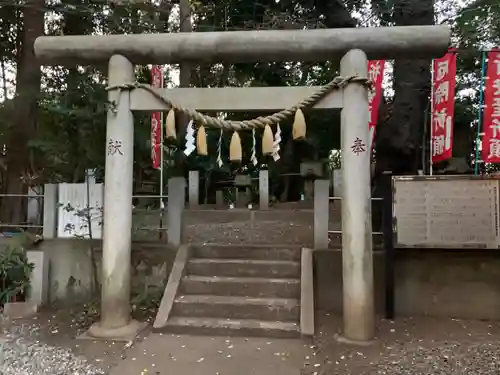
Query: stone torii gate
[{"x": 356, "y": 45}]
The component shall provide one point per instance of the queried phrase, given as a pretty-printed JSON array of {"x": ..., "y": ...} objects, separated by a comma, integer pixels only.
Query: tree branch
[
  {"x": 471, "y": 7},
  {"x": 335, "y": 12}
]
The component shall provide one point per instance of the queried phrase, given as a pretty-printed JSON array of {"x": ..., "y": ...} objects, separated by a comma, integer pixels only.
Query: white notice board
[{"x": 446, "y": 212}]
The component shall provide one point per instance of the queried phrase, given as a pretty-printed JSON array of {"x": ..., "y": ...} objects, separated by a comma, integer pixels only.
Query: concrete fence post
[
  {"x": 321, "y": 214},
  {"x": 194, "y": 189},
  {"x": 175, "y": 210},
  {"x": 50, "y": 210},
  {"x": 263, "y": 189},
  {"x": 39, "y": 278}
]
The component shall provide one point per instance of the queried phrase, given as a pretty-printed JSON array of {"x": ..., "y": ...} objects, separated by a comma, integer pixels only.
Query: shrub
[{"x": 15, "y": 270}]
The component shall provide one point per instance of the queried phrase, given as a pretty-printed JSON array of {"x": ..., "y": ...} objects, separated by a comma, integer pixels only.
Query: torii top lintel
[{"x": 246, "y": 46}]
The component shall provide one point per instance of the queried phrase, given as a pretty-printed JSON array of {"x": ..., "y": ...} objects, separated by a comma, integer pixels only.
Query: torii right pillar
[{"x": 357, "y": 257}]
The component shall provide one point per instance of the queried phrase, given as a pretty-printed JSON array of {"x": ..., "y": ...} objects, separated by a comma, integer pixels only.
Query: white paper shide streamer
[
  {"x": 190, "y": 139},
  {"x": 253, "y": 157},
  {"x": 276, "y": 144},
  {"x": 219, "y": 151}
]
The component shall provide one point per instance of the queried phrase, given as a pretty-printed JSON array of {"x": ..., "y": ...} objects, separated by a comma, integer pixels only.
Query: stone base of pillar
[
  {"x": 219, "y": 198},
  {"x": 241, "y": 200},
  {"x": 125, "y": 333},
  {"x": 344, "y": 340}
]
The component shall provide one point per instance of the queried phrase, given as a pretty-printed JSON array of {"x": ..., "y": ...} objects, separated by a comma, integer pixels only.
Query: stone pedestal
[
  {"x": 219, "y": 198},
  {"x": 308, "y": 190},
  {"x": 240, "y": 198}
]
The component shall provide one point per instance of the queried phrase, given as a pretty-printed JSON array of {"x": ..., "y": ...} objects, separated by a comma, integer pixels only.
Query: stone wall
[
  {"x": 450, "y": 283},
  {"x": 461, "y": 284},
  {"x": 70, "y": 267}
]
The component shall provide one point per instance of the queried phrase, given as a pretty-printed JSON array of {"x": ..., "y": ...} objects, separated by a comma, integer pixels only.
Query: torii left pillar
[{"x": 115, "y": 322}]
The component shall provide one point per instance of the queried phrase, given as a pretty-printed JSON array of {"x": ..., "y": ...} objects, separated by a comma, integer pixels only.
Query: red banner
[
  {"x": 156, "y": 120},
  {"x": 443, "y": 105},
  {"x": 376, "y": 76},
  {"x": 491, "y": 114}
]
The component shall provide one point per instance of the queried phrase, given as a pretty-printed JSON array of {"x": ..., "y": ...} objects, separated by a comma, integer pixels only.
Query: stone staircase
[{"x": 234, "y": 291}]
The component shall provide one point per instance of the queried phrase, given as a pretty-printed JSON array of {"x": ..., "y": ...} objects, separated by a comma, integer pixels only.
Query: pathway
[{"x": 162, "y": 354}]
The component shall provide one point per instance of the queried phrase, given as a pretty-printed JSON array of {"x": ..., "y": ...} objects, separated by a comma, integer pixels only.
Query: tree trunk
[
  {"x": 25, "y": 114},
  {"x": 75, "y": 24},
  {"x": 399, "y": 140}
]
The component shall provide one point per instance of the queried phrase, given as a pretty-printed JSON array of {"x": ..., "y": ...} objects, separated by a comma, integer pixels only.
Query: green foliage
[
  {"x": 73, "y": 128},
  {"x": 476, "y": 28},
  {"x": 15, "y": 270}
]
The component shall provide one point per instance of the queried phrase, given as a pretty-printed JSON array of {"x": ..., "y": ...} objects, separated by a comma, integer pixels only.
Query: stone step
[
  {"x": 244, "y": 268},
  {"x": 270, "y": 309},
  {"x": 247, "y": 252},
  {"x": 230, "y": 327},
  {"x": 241, "y": 286}
]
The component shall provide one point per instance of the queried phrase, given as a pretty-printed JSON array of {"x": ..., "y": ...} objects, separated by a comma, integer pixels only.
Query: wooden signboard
[{"x": 446, "y": 212}]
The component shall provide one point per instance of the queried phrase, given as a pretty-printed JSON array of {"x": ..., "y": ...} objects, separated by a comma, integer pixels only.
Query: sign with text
[
  {"x": 156, "y": 120},
  {"x": 443, "y": 102},
  {"x": 376, "y": 76},
  {"x": 446, "y": 212},
  {"x": 491, "y": 114}
]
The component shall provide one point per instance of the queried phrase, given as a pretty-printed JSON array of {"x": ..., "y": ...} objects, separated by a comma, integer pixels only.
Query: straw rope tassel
[
  {"x": 201, "y": 141},
  {"x": 267, "y": 141},
  {"x": 235, "y": 153},
  {"x": 170, "y": 125},
  {"x": 299, "y": 126}
]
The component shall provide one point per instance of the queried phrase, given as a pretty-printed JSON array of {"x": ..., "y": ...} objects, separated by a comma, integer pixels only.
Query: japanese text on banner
[
  {"x": 376, "y": 76},
  {"x": 443, "y": 97},
  {"x": 156, "y": 122},
  {"x": 491, "y": 117}
]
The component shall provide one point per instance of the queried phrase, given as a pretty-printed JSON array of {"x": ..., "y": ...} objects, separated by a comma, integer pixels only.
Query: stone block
[
  {"x": 314, "y": 169},
  {"x": 16, "y": 310},
  {"x": 39, "y": 278},
  {"x": 242, "y": 180}
]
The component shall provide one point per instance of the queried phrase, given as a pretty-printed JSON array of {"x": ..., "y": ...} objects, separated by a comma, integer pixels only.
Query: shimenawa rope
[{"x": 259, "y": 122}]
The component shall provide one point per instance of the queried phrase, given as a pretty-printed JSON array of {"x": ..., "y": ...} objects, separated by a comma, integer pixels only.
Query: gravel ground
[
  {"x": 448, "y": 358},
  {"x": 408, "y": 346},
  {"x": 294, "y": 230},
  {"x": 263, "y": 232},
  {"x": 48, "y": 344},
  {"x": 22, "y": 354},
  {"x": 423, "y": 346}
]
